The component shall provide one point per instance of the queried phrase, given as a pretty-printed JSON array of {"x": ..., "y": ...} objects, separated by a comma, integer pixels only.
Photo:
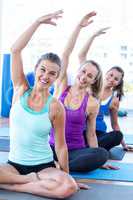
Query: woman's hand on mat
[
  {"x": 109, "y": 167},
  {"x": 128, "y": 148},
  {"x": 87, "y": 19},
  {"x": 48, "y": 19},
  {"x": 83, "y": 186}
]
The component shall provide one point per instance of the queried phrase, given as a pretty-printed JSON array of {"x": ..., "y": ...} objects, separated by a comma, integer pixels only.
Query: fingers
[
  {"x": 91, "y": 14},
  {"x": 57, "y": 14},
  {"x": 110, "y": 167},
  {"x": 83, "y": 186},
  {"x": 128, "y": 148}
]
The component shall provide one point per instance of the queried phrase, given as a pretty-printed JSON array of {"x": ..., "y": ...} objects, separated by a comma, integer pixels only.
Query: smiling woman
[{"x": 31, "y": 166}]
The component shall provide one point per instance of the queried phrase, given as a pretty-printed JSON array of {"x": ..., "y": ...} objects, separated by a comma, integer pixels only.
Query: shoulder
[
  {"x": 56, "y": 107},
  {"x": 115, "y": 103},
  {"x": 93, "y": 104},
  {"x": 19, "y": 91}
]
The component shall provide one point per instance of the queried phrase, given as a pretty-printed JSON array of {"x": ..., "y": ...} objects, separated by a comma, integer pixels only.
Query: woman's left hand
[
  {"x": 109, "y": 167},
  {"x": 128, "y": 148}
]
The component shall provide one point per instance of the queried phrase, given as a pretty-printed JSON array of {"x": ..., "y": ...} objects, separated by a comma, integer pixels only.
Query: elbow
[
  {"x": 66, "y": 55},
  {"x": 14, "y": 49},
  {"x": 81, "y": 57}
]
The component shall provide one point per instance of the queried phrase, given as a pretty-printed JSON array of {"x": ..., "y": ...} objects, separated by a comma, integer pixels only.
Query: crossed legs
[{"x": 49, "y": 182}]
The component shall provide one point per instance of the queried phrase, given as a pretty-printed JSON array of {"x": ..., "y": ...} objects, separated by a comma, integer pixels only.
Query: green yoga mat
[{"x": 125, "y": 173}]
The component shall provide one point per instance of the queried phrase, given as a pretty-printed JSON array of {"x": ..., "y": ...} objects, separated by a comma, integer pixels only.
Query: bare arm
[
  {"x": 85, "y": 21},
  {"x": 83, "y": 52},
  {"x": 60, "y": 142},
  {"x": 114, "y": 119},
  {"x": 93, "y": 108},
  {"x": 17, "y": 64},
  {"x": 114, "y": 107}
]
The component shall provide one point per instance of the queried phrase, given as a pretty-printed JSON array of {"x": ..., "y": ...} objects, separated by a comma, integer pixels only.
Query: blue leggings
[{"x": 85, "y": 159}]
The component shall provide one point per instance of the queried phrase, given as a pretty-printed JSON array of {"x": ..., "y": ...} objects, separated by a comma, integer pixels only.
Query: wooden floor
[{"x": 128, "y": 158}]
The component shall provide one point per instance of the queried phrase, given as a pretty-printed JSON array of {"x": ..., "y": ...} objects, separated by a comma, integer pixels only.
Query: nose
[
  {"x": 46, "y": 76},
  {"x": 83, "y": 77}
]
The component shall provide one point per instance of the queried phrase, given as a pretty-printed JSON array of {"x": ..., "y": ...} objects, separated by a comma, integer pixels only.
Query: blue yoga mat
[
  {"x": 128, "y": 138},
  {"x": 4, "y": 144},
  {"x": 125, "y": 173},
  {"x": 6, "y": 81}
]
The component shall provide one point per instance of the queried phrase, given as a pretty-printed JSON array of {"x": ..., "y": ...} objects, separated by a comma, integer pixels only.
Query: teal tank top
[{"x": 29, "y": 133}]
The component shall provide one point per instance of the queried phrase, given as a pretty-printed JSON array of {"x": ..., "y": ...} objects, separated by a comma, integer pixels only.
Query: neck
[
  {"x": 39, "y": 93},
  {"x": 107, "y": 88},
  {"x": 78, "y": 89}
]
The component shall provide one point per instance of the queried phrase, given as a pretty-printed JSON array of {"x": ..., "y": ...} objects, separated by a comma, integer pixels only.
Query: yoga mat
[
  {"x": 4, "y": 144},
  {"x": 96, "y": 192},
  {"x": 4, "y": 132},
  {"x": 116, "y": 153},
  {"x": 125, "y": 173},
  {"x": 3, "y": 157},
  {"x": 128, "y": 138},
  {"x": 6, "y": 81}
]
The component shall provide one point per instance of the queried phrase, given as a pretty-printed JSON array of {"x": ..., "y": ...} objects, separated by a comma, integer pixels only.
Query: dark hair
[
  {"x": 51, "y": 57},
  {"x": 119, "y": 88},
  {"x": 97, "y": 85}
]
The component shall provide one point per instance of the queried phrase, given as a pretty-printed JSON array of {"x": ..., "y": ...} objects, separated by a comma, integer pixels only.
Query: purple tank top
[{"x": 75, "y": 124}]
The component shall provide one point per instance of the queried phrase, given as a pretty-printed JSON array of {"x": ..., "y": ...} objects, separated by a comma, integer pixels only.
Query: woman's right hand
[{"x": 48, "y": 19}]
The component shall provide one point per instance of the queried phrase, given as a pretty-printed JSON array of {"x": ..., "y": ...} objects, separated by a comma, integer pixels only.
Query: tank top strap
[
  {"x": 85, "y": 101},
  {"x": 64, "y": 94},
  {"x": 110, "y": 100}
]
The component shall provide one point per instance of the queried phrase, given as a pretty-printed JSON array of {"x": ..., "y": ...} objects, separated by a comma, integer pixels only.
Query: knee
[
  {"x": 68, "y": 187},
  {"x": 118, "y": 137},
  {"x": 103, "y": 155}
]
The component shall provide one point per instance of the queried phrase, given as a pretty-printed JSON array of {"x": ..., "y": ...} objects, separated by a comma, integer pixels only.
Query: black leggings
[
  {"x": 110, "y": 139},
  {"x": 85, "y": 159}
]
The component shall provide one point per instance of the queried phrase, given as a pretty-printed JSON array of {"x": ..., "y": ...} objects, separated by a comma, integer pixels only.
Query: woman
[
  {"x": 31, "y": 165},
  {"x": 110, "y": 97},
  {"x": 81, "y": 108}
]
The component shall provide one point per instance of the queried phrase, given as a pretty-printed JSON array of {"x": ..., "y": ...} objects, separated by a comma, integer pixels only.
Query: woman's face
[
  {"x": 113, "y": 78},
  {"x": 86, "y": 75},
  {"x": 46, "y": 73}
]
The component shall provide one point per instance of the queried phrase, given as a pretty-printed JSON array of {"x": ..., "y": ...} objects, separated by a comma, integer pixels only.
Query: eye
[
  {"x": 52, "y": 73},
  {"x": 90, "y": 76},
  {"x": 43, "y": 69},
  {"x": 83, "y": 71},
  {"x": 116, "y": 79}
]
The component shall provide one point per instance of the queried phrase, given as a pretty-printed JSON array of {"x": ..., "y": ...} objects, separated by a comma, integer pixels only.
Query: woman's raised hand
[
  {"x": 49, "y": 18},
  {"x": 87, "y": 19},
  {"x": 100, "y": 31}
]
